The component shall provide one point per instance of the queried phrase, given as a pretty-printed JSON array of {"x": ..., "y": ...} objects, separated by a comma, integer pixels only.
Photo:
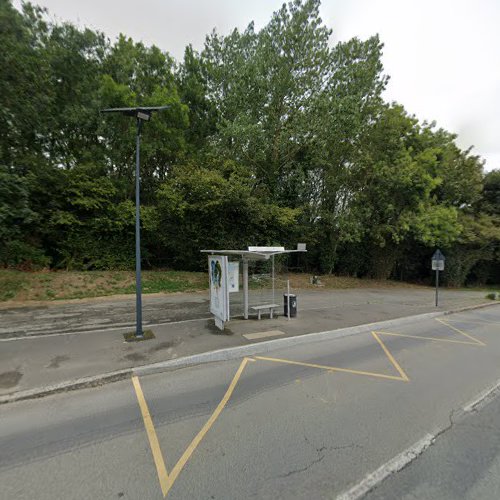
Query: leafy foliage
[{"x": 271, "y": 137}]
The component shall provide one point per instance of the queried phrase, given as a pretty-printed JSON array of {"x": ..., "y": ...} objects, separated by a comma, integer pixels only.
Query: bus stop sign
[{"x": 438, "y": 261}]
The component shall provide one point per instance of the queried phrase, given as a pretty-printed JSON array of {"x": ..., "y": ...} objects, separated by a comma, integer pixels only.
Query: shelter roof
[{"x": 255, "y": 253}]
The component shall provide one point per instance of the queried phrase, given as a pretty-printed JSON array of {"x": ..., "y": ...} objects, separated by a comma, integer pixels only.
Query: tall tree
[
  {"x": 265, "y": 87},
  {"x": 24, "y": 93},
  {"x": 135, "y": 75},
  {"x": 192, "y": 83}
]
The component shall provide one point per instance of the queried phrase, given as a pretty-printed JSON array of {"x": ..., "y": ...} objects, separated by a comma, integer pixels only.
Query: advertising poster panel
[
  {"x": 219, "y": 295},
  {"x": 234, "y": 276}
]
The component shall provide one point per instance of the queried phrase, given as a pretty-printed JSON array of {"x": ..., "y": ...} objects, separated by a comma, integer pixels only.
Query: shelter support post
[
  {"x": 245, "y": 288},
  {"x": 274, "y": 300},
  {"x": 288, "y": 299}
]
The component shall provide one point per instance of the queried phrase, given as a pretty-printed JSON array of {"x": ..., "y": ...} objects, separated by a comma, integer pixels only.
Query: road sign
[
  {"x": 438, "y": 261},
  {"x": 437, "y": 265}
]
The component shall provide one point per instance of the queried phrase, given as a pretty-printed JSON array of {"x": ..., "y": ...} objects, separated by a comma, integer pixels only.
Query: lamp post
[{"x": 141, "y": 114}]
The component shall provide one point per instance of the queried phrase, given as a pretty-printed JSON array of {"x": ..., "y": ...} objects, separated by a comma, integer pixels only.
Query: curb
[
  {"x": 469, "y": 308},
  {"x": 223, "y": 355},
  {"x": 70, "y": 385},
  {"x": 271, "y": 345}
]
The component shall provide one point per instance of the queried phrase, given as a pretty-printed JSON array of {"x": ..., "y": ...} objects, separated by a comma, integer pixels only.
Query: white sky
[{"x": 443, "y": 56}]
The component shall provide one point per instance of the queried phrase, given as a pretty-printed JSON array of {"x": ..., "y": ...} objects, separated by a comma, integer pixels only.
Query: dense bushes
[{"x": 271, "y": 137}]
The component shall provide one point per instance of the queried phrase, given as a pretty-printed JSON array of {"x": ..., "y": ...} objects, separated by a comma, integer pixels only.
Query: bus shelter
[{"x": 220, "y": 288}]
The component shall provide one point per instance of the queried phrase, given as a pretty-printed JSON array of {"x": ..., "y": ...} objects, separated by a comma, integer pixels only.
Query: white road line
[
  {"x": 482, "y": 399},
  {"x": 390, "y": 467},
  {"x": 413, "y": 452}
]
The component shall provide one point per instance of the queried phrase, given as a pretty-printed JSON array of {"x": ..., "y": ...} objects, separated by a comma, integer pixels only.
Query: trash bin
[{"x": 293, "y": 305}]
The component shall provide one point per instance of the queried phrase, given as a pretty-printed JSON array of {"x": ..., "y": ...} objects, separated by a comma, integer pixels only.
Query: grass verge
[
  {"x": 62, "y": 285},
  {"x": 19, "y": 286},
  {"x": 146, "y": 335}
]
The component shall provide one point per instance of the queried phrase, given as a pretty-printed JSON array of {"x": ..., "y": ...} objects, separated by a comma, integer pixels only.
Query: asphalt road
[
  {"x": 463, "y": 463},
  {"x": 102, "y": 313},
  {"x": 311, "y": 422}
]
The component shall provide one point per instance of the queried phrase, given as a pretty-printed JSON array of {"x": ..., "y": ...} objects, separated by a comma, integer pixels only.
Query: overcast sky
[{"x": 443, "y": 56}]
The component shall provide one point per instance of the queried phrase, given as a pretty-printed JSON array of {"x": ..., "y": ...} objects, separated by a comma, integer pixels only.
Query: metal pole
[
  {"x": 138, "y": 290},
  {"x": 245, "y": 288},
  {"x": 288, "y": 298},
  {"x": 273, "y": 276},
  {"x": 437, "y": 286}
]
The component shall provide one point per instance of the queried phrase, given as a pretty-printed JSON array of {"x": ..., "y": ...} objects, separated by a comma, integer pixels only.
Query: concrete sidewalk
[{"x": 35, "y": 361}]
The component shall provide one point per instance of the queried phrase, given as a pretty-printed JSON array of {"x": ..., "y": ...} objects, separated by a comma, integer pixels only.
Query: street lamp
[{"x": 141, "y": 114}]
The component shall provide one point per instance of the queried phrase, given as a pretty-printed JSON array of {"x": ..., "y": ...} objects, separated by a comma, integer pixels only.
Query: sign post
[{"x": 437, "y": 265}]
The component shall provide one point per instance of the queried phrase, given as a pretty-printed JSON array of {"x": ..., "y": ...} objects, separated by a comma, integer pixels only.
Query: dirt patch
[
  {"x": 135, "y": 356},
  {"x": 210, "y": 326},
  {"x": 10, "y": 379},
  {"x": 165, "y": 345},
  {"x": 146, "y": 335},
  {"x": 56, "y": 362},
  {"x": 303, "y": 281}
]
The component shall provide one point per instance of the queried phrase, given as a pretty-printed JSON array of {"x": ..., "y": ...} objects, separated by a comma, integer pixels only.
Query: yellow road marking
[
  {"x": 330, "y": 368},
  {"x": 196, "y": 441},
  {"x": 479, "y": 321},
  {"x": 420, "y": 337},
  {"x": 153, "y": 438},
  {"x": 167, "y": 481},
  {"x": 460, "y": 331},
  {"x": 391, "y": 358}
]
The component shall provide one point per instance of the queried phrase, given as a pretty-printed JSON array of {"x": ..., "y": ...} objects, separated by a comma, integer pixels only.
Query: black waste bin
[{"x": 293, "y": 304}]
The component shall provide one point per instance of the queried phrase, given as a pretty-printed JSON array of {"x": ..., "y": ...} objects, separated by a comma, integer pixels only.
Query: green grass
[
  {"x": 146, "y": 335},
  {"x": 12, "y": 283},
  {"x": 174, "y": 281},
  {"x": 63, "y": 285}
]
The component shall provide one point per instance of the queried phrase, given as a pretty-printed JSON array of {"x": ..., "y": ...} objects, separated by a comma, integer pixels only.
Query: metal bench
[{"x": 265, "y": 307}]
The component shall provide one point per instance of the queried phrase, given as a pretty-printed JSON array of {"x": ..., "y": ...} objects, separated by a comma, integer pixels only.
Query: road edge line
[
  {"x": 483, "y": 398},
  {"x": 395, "y": 464}
]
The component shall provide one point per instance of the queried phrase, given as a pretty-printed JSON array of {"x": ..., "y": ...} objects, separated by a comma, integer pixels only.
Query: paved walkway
[{"x": 53, "y": 347}]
